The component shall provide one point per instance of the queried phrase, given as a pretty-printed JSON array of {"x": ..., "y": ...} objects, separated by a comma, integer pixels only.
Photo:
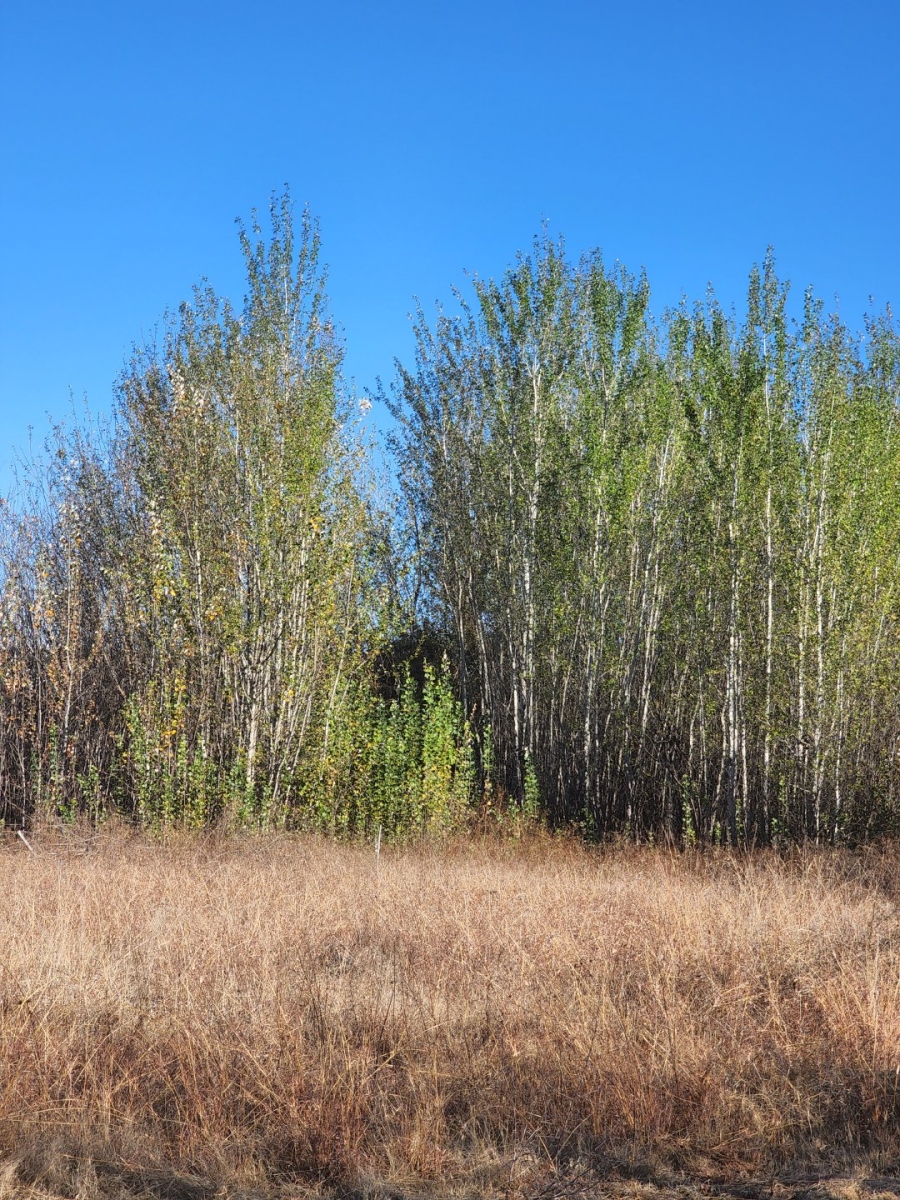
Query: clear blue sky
[{"x": 428, "y": 139}]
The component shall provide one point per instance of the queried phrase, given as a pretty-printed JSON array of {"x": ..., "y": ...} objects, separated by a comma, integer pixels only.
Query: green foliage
[
  {"x": 665, "y": 550},
  {"x": 531, "y": 802},
  {"x": 169, "y": 782},
  {"x": 404, "y": 765}
]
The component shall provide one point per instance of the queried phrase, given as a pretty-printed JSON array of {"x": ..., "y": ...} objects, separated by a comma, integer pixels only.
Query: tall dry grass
[{"x": 261, "y": 1011}]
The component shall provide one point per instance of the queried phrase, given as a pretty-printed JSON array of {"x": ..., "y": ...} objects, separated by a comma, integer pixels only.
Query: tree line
[{"x": 635, "y": 575}]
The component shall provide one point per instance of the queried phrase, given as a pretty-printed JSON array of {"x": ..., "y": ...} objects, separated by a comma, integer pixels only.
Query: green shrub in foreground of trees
[{"x": 657, "y": 562}]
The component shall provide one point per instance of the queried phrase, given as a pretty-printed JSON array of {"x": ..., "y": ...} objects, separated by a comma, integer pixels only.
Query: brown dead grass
[{"x": 273, "y": 1013}]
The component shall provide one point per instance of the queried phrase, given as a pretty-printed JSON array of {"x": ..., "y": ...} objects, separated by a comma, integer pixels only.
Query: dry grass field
[{"x": 278, "y": 1016}]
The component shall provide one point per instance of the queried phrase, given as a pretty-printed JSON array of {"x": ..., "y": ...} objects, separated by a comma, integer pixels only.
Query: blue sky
[{"x": 428, "y": 140}]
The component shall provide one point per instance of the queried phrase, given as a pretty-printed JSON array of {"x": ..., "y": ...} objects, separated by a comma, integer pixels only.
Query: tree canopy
[{"x": 638, "y": 574}]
